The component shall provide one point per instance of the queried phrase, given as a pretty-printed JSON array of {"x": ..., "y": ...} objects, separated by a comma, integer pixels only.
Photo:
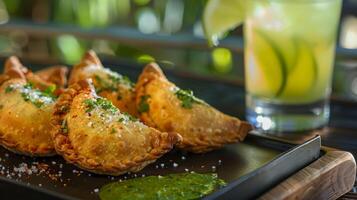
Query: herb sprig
[
  {"x": 9, "y": 89},
  {"x": 36, "y": 96},
  {"x": 143, "y": 105},
  {"x": 111, "y": 82},
  {"x": 130, "y": 117},
  {"x": 101, "y": 103},
  {"x": 106, "y": 105},
  {"x": 187, "y": 98}
]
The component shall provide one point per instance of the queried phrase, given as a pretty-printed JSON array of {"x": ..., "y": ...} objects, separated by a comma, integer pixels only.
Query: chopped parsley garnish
[
  {"x": 111, "y": 82},
  {"x": 35, "y": 96},
  {"x": 104, "y": 85},
  {"x": 187, "y": 98},
  {"x": 130, "y": 117},
  {"x": 90, "y": 104},
  {"x": 9, "y": 89},
  {"x": 118, "y": 78},
  {"x": 101, "y": 103},
  {"x": 28, "y": 85},
  {"x": 113, "y": 131},
  {"x": 107, "y": 106},
  {"x": 127, "y": 117},
  {"x": 50, "y": 91},
  {"x": 143, "y": 105}
]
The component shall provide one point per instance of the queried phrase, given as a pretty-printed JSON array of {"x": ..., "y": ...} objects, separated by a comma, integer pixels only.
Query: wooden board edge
[{"x": 329, "y": 177}]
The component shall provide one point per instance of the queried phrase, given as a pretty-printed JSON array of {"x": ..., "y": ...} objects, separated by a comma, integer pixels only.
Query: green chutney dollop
[{"x": 174, "y": 187}]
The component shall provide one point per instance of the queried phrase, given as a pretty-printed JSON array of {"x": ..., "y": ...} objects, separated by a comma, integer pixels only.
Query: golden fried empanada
[
  {"x": 55, "y": 74},
  {"x": 164, "y": 106},
  {"x": 111, "y": 85},
  {"x": 90, "y": 132},
  {"x": 25, "y": 113},
  {"x": 53, "y": 77},
  {"x": 14, "y": 69}
]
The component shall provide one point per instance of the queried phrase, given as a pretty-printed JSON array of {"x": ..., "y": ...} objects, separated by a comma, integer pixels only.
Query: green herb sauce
[
  {"x": 187, "y": 98},
  {"x": 175, "y": 186}
]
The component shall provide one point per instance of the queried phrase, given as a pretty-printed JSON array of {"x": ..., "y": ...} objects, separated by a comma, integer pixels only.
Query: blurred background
[{"x": 139, "y": 31}]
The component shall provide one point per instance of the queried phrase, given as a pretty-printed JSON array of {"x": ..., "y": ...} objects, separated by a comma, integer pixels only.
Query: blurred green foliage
[
  {"x": 157, "y": 17},
  {"x": 169, "y": 17}
]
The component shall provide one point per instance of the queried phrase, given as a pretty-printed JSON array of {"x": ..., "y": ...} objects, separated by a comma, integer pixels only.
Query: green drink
[{"x": 289, "y": 56}]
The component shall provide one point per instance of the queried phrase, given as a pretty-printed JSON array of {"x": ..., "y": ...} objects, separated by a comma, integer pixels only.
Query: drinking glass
[{"x": 289, "y": 58}]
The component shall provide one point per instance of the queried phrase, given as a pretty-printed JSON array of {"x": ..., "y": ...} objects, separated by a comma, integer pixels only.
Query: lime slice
[
  {"x": 221, "y": 16},
  {"x": 286, "y": 44},
  {"x": 301, "y": 80},
  {"x": 289, "y": 49},
  {"x": 267, "y": 70}
]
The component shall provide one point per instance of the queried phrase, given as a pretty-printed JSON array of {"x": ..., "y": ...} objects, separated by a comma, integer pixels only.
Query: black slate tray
[{"x": 249, "y": 168}]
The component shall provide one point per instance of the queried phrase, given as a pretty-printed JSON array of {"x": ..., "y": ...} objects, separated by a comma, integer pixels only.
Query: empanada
[
  {"x": 90, "y": 132},
  {"x": 55, "y": 74},
  {"x": 15, "y": 69},
  {"x": 52, "y": 77},
  {"x": 25, "y": 112},
  {"x": 164, "y": 106},
  {"x": 111, "y": 85}
]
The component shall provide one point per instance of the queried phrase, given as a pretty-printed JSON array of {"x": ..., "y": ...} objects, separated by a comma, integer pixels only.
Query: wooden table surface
[{"x": 341, "y": 132}]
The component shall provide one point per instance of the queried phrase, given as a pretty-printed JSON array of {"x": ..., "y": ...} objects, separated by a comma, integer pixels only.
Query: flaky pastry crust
[
  {"x": 13, "y": 68},
  {"x": 56, "y": 75},
  {"x": 202, "y": 127},
  {"x": 107, "y": 83},
  {"x": 24, "y": 127},
  {"x": 104, "y": 141}
]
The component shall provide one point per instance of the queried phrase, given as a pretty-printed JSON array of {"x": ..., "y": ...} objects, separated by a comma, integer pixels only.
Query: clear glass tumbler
[{"x": 289, "y": 58}]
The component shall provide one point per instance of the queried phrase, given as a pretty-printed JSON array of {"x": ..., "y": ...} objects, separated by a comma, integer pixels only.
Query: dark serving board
[
  {"x": 241, "y": 165},
  {"x": 252, "y": 168}
]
